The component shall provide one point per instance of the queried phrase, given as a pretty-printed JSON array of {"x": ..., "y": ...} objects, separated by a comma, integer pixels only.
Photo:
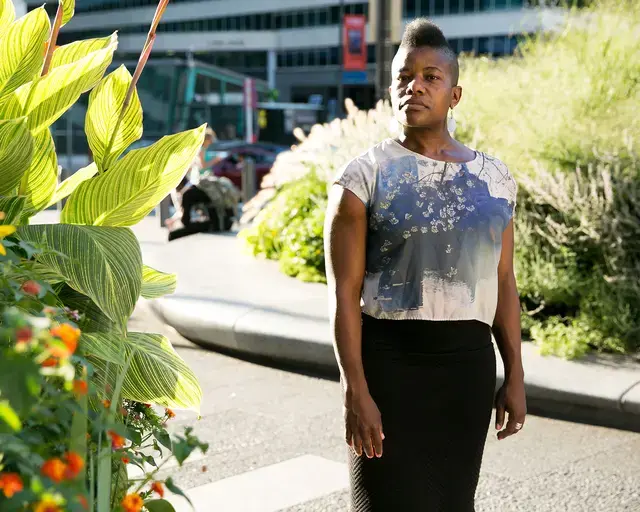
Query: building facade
[{"x": 291, "y": 44}]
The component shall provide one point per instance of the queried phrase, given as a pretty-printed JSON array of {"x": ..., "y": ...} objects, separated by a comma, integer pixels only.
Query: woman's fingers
[
  {"x": 357, "y": 442},
  {"x": 514, "y": 425},
  {"x": 378, "y": 437},
  {"x": 499, "y": 412},
  {"x": 367, "y": 442}
]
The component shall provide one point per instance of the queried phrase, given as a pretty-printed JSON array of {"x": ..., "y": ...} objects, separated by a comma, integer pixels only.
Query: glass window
[
  {"x": 278, "y": 21},
  {"x": 358, "y": 8},
  {"x": 323, "y": 16},
  {"x": 467, "y": 45},
  {"x": 333, "y": 56},
  {"x": 289, "y": 19},
  {"x": 249, "y": 23},
  {"x": 371, "y": 53},
  {"x": 323, "y": 57},
  {"x": 313, "y": 18},
  {"x": 311, "y": 58},
  {"x": 300, "y": 20},
  {"x": 259, "y": 22},
  {"x": 280, "y": 59},
  {"x": 469, "y": 5},
  {"x": 231, "y": 23},
  {"x": 240, "y": 22},
  {"x": 289, "y": 59},
  {"x": 334, "y": 15},
  {"x": 410, "y": 8}
]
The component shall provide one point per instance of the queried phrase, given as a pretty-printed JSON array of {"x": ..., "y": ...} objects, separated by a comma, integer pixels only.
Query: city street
[{"x": 276, "y": 444}]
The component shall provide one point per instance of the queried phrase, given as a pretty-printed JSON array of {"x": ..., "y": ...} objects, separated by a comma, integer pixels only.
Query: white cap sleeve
[{"x": 358, "y": 176}]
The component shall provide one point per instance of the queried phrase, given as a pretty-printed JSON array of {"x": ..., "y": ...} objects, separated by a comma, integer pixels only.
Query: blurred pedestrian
[{"x": 419, "y": 252}]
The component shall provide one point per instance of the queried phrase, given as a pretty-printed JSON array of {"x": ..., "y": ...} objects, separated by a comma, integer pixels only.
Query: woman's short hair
[{"x": 423, "y": 32}]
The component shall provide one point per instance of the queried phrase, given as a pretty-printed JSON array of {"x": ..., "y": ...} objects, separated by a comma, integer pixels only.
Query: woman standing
[{"x": 420, "y": 242}]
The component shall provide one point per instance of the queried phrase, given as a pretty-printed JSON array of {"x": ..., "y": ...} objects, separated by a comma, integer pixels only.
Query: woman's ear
[{"x": 456, "y": 96}]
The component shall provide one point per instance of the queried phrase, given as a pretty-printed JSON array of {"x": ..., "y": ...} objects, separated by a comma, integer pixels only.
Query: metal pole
[{"x": 340, "y": 109}]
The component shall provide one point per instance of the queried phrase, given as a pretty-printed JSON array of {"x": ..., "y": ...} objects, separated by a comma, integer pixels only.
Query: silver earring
[{"x": 451, "y": 123}]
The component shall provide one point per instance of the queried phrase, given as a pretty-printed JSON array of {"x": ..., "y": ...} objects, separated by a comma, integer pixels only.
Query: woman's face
[{"x": 422, "y": 88}]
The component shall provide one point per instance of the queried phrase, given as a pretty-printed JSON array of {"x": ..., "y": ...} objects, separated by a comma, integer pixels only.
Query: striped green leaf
[
  {"x": 12, "y": 208},
  {"x": 73, "y": 52},
  {"x": 107, "y": 137},
  {"x": 156, "y": 284},
  {"x": 68, "y": 9},
  {"x": 92, "y": 319},
  {"x": 54, "y": 93},
  {"x": 105, "y": 264},
  {"x": 21, "y": 50},
  {"x": 71, "y": 183},
  {"x": 135, "y": 184},
  {"x": 12, "y": 105},
  {"x": 105, "y": 346},
  {"x": 7, "y": 14},
  {"x": 16, "y": 150},
  {"x": 39, "y": 182},
  {"x": 156, "y": 375}
]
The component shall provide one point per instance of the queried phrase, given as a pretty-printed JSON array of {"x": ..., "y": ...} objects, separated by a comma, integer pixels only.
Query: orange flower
[
  {"x": 23, "y": 335},
  {"x": 69, "y": 336},
  {"x": 47, "y": 505},
  {"x": 157, "y": 488},
  {"x": 106, "y": 403},
  {"x": 10, "y": 484},
  {"x": 132, "y": 503},
  {"x": 74, "y": 465},
  {"x": 80, "y": 387},
  {"x": 126, "y": 460},
  {"x": 54, "y": 469},
  {"x": 170, "y": 413},
  {"x": 83, "y": 501},
  {"x": 117, "y": 441},
  {"x": 31, "y": 288},
  {"x": 50, "y": 361}
]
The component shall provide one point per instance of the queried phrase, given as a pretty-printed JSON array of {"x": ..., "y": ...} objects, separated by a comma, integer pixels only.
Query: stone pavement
[
  {"x": 227, "y": 299},
  {"x": 276, "y": 445}
]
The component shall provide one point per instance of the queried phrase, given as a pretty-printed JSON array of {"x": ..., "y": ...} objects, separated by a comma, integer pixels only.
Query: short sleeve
[{"x": 358, "y": 176}]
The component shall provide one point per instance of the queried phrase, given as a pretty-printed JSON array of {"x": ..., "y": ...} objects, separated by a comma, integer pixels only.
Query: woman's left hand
[{"x": 511, "y": 399}]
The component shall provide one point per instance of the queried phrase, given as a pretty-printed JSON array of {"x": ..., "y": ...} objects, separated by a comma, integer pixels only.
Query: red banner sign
[{"x": 354, "y": 47}]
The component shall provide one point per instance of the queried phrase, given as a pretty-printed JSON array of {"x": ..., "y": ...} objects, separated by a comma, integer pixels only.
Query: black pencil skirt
[{"x": 434, "y": 383}]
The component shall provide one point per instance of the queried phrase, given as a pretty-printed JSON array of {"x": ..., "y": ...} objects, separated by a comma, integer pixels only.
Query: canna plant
[{"x": 91, "y": 259}]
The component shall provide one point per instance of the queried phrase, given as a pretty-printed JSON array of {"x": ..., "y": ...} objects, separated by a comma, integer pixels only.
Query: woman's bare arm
[
  {"x": 507, "y": 332},
  {"x": 345, "y": 238}
]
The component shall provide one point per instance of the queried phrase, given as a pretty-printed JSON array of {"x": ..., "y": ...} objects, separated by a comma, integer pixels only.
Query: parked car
[{"x": 232, "y": 157}]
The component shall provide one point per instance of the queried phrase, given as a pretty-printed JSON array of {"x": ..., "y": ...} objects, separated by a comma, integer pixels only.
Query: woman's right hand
[{"x": 363, "y": 425}]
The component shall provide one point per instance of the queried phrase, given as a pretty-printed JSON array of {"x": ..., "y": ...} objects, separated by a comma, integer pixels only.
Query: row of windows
[
  {"x": 494, "y": 45},
  {"x": 416, "y": 8}
]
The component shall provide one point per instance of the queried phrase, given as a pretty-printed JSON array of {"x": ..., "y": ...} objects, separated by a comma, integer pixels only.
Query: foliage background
[{"x": 564, "y": 114}]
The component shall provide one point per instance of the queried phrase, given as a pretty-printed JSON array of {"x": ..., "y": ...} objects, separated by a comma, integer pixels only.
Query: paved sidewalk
[{"x": 227, "y": 299}]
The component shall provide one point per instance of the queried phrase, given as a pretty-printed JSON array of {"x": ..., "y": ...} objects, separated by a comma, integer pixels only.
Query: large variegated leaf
[
  {"x": 54, "y": 93},
  {"x": 71, "y": 183},
  {"x": 156, "y": 373},
  {"x": 12, "y": 209},
  {"x": 156, "y": 284},
  {"x": 92, "y": 319},
  {"x": 39, "y": 182},
  {"x": 7, "y": 14},
  {"x": 16, "y": 150},
  {"x": 135, "y": 184},
  {"x": 104, "y": 264},
  {"x": 21, "y": 50},
  {"x": 73, "y": 52},
  {"x": 68, "y": 8},
  {"x": 105, "y": 346},
  {"x": 107, "y": 138},
  {"x": 12, "y": 105}
]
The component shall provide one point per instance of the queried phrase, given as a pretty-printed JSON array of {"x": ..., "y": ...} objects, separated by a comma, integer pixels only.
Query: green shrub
[{"x": 290, "y": 227}]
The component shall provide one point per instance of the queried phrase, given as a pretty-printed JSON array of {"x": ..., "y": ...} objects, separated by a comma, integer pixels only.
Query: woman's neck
[{"x": 427, "y": 141}]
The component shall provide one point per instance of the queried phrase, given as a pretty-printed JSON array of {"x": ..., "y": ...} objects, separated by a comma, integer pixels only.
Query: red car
[{"x": 232, "y": 160}]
